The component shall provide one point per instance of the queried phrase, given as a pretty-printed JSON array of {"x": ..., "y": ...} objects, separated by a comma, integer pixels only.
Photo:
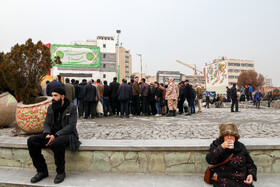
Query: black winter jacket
[
  {"x": 124, "y": 92},
  {"x": 68, "y": 122},
  {"x": 235, "y": 171},
  {"x": 81, "y": 89},
  {"x": 233, "y": 93},
  {"x": 114, "y": 89},
  {"x": 188, "y": 92},
  {"x": 90, "y": 93}
]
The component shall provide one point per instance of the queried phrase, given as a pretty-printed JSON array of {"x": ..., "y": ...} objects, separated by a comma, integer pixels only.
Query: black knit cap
[{"x": 60, "y": 91}]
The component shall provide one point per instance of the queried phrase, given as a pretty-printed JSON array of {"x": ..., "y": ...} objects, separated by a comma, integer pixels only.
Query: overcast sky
[{"x": 195, "y": 32}]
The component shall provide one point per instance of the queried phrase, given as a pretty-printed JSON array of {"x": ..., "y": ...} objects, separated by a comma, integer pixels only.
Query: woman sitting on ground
[{"x": 240, "y": 170}]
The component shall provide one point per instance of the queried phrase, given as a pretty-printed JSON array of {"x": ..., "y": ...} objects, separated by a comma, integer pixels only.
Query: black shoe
[
  {"x": 174, "y": 113},
  {"x": 232, "y": 111},
  {"x": 127, "y": 116},
  {"x": 59, "y": 178},
  {"x": 39, "y": 176}
]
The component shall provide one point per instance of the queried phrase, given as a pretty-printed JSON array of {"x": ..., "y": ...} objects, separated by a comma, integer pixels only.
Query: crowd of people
[{"x": 137, "y": 98}]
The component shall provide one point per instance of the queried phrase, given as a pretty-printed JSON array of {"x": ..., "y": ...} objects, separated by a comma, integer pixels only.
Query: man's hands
[
  {"x": 249, "y": 179},
  {"x": 51, "y": 137}
]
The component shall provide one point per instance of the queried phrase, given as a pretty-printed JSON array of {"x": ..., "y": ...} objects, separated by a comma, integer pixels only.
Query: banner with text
[{"x": 77, "y": 56}]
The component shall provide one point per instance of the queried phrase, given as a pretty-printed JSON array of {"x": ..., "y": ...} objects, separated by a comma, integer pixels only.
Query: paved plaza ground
[{"x": 252, "y": 123}]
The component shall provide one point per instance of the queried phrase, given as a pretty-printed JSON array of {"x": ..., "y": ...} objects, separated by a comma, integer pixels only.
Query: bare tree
[{"x": 250, "y": 77}]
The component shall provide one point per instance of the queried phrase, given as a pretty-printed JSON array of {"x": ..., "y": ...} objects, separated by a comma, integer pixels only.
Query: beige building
[
  {"x": 224, "y": 72},
  {"x": 125, "y": 63}
]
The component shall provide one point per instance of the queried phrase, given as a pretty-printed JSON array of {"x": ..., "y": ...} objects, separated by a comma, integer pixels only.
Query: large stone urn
[
  {"x": 31, "y": 118},
  {"x": 8, "y": 107}
]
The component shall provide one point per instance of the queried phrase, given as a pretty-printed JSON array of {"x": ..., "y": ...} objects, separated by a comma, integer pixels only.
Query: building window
[
  {"x": 104, "y": 76},
  {"x": 104, "y": 45},
  {"x": 104, "y": 65},
  {"x": 104, "y": 55}
]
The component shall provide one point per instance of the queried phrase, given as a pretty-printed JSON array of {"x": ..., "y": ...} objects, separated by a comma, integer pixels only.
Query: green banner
[{"x": 77, "y": 56}]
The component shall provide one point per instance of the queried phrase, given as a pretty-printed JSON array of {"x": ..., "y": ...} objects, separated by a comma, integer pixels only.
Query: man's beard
[{"x": 56, "y": 105}]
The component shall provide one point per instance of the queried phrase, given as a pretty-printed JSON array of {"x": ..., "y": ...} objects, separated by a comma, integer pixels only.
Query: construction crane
[{"x": 193, "y": 68}]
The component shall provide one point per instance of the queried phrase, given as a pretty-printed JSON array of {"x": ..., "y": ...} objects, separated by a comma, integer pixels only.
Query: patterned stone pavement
[{"x": 252, "y": 123}]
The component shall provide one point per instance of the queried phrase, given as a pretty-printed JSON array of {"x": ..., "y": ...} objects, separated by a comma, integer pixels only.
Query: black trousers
[
  {"x": 115, "y": 105},
  {"x": 180, "y": 105},
  {"x": 145, "y": 105},
  {"x": 90, "y": 108},
  {"x": 136, "y": 104},
  {"x": 81, "y": 107},
  {"x": 106, "y": 106},
  {"x": 124, "y": 108},
  {"x": 35, "y": 145},
  {"x": 234, "y": 102},
  {"x": 153, "y": 107}
]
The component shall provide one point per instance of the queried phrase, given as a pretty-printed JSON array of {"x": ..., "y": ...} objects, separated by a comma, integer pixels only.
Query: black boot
[
  {"x": 59, "y": 178},
  {"x": 39, "y": 176},
  {"x": 169, "y": 113},
  {"x": 174, "y": 113}
]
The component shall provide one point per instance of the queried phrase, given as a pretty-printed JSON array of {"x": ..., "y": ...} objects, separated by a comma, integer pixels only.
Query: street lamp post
[
  {"x": 118, "y": 64},
  {"x": 140, "y": 55}
]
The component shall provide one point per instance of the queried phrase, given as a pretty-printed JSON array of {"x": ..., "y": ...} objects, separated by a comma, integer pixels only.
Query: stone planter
[
  {"x": 8, "y": 107},
  {"x": 31, "y": 118}
]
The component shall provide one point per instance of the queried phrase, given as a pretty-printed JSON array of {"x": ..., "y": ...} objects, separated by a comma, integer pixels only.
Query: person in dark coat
[
  {"x": 114, "y": 96},
  {"x": 59, "y": 132},
  {"x": 234, "y": 98},
  {"x": 90, "y": 100},
  {"x": 75, "y": 83},
  {"x": 53, "y": 85},
  {"x": 145, "y": 97},
  {"x": 152, "y": 100},
  {"x": 136, "y": 96},
  {"x": 81, "y": 102},
  {"x": 247, "y": 92},
  {"x": 124, "y": 95},
  {"x": 228, "y": 94},
  {"x": 106, "y": 99},
  {"x": 269, "y": 98},
  {"x": 158, "y": 98},
  {"x": 207, "y": 100},
  {"x": 188, "y": 94},
  {"x": 181, "y": 97},
  {"x": 240, "y": 170}
]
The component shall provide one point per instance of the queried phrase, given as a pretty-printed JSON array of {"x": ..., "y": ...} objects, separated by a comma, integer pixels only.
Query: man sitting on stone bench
[{"x": 59, "y": 132}]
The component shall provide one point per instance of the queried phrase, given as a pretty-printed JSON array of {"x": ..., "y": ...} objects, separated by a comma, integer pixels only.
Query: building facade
[
  {"x": 200, "y": 80},
  {"x": 107, "y": 68},
  {"x": 268, "y": 83},
  {"x": 224, "y": 72},
  {"x": 125, "y": 63},
  {"x": 162, "y": 76}
]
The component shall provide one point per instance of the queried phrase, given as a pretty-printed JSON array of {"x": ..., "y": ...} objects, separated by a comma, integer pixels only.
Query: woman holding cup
[{"x": 240, "y": 170}]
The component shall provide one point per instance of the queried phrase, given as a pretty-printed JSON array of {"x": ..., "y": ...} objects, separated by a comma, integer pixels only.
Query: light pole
[
  {"x": 140, "y": 55},
  {"x": 118, "y": 64}
]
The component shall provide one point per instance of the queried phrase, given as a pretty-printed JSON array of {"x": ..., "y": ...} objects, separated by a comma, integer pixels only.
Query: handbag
[{"x": 208, "y": 176}]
